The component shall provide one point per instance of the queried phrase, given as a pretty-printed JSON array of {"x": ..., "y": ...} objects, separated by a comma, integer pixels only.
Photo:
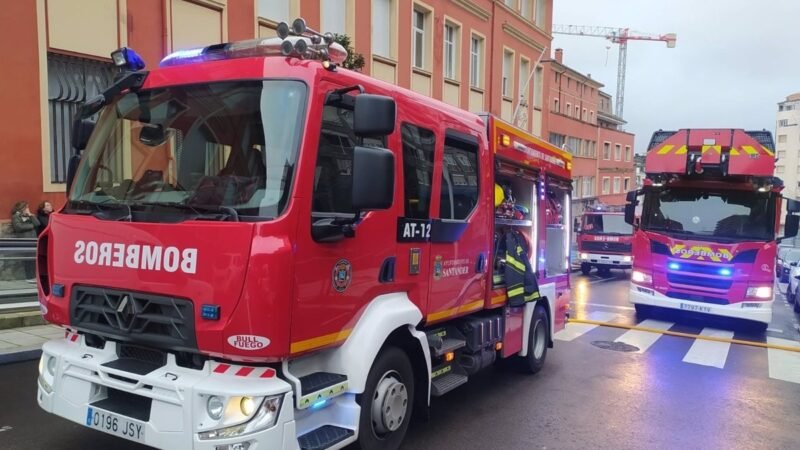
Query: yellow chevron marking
[
  {"x": 734, "y": 152},
  {"x": 717, "y": 148},
  {"x": 681, "y": 151},
  {"x": 665, "y": 149},
  {"x": 749, "y": 150},
  {"x": 768, "y": 151}
]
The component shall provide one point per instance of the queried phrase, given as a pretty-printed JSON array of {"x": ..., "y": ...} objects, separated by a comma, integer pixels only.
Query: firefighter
[{"x": 521, "y": 285}]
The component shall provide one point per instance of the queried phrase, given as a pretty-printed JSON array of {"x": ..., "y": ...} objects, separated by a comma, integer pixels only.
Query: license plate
[
  {"x": 688, "y": 307},
  {"x": 115, "y": 424}
]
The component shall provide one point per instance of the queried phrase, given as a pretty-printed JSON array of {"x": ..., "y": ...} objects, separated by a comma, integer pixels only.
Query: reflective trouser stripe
[
  {"x": 516, "y": 264},
  {"x": 533, "y": 296},
  {"x": 516, "y": 291}
]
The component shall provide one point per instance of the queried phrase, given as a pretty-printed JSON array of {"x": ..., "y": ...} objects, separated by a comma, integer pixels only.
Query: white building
[{"x": 787, "y": 145}]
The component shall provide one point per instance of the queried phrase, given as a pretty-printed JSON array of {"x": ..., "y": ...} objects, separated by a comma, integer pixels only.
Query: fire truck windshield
[
  {"x": 605, "y": 224},
  {"x": 731, "y": 215},
  {"x": 215, "y": 150}
]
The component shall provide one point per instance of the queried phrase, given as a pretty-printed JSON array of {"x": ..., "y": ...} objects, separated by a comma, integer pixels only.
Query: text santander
[{"x": 135, "y": 256}]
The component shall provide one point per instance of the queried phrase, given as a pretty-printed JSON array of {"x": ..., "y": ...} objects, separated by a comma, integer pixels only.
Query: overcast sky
[{"x": 734, "y": 60}]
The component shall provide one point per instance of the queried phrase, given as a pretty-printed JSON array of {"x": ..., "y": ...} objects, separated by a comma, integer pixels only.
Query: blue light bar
[
  {"x": 674, "y": 266},
  {"x": 319, "y": 404},
  {"x": 725, "y": 272}
]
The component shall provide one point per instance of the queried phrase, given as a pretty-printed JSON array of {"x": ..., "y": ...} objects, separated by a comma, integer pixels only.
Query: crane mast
[{"x": 619, "y": 36}]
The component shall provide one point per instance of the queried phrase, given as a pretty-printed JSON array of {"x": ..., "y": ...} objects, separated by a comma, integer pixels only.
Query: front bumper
[
  {"x": 177, "y": 396},
  {"x": 606, "y": 260},
  {"x": 640, "y": 295}
]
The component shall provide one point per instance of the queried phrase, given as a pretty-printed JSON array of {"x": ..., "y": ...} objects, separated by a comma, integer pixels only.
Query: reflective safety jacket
[{"x": 521, "y": 285}]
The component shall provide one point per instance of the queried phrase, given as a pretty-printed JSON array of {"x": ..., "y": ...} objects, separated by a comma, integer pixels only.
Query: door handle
[{"x": 480, "y": 267}]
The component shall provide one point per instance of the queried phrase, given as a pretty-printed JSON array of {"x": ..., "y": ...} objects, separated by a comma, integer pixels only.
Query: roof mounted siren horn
[{"x": 302, "y": 42}]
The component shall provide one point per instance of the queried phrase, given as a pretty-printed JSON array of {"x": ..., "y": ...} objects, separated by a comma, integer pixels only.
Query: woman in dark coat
[
  {"x": 43, "y": 214},
  {"x": 24, "y": 224}
]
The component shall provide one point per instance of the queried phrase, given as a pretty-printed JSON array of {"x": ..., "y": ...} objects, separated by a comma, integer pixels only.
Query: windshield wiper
[
  {"x": 201, "y": 211},
  {"x": 102, "y": 207}
]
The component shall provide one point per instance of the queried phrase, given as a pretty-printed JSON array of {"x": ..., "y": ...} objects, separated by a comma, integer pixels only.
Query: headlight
[
  {"x": 247, "y": 405},
  {"x": 627, "y": 258},
  {"x": 51, "y": 367},
  {"x": 641, "y": 277},
  {"x": 215, "y": 407},
  {"x": 266, "y": 416},
  {"x": 759, "y": 292},
  {"x": 584, "y": 256}
]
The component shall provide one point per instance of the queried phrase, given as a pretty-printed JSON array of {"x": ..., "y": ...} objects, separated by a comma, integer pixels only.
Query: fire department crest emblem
[{"x": 342, "y": 274}]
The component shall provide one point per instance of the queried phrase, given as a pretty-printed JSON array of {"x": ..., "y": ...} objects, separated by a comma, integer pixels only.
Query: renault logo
[
  {"x": 125, "y": 312},
  {"x": 122, "y": 304}
]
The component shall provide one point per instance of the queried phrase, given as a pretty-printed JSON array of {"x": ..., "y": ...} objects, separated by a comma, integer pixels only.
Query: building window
[
  {"x": 476, "y": 61},
  {"x": 578, "y": 193},
  {"x": 778, "y": 169},
  {"x": 617, "y": 152},
  {"x": 524, "y": 73},
  {"x": 606, "y": 185},
  {"x": 568, "y": 111},
  {"x": 452, "y": 38},
  {"x": 508, "y": 70},
  {"x": 556, "y": 106},
  {"x": 459, "y": 193},
  {"x": 626, "y": 184},
  {"x": 584, "y": 114},
  {"x": 591, "y": 116},
  {"x": 616, "y": 185},
  {"x": 627, "y": 153},
  {"x": 538, "y": 88},
  {"x": 606, "y": 150},
  {"x": 574, "y": 145},
  {"x": 526, "y": 9},
  {"x": 781, "y": 139},
  {"x": 277, "y": 10},
  {"x": 577, "y": 112},
  {"x": 420, "y": 38},
  {"x": 333, "y": 14},
  {"x": 70, "y": 82},
  {"x": 783, "y": 123},
  {"x": 588, "y": 186},
  {"x": 382, "y": 26},
  {"x": 418, "y": 148},
  {"x": 557, "y": 139},
  {"x": 781, "y": 154},
  {"x": 511, "y": 3},
  {"x": 593, "y": 150}
]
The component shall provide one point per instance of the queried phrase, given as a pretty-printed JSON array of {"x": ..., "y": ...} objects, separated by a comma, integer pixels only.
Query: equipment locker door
[{"x": 461, "y": 227}]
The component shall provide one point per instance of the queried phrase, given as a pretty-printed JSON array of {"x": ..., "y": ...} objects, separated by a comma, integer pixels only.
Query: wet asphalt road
[{"x": 585, "y": 397}]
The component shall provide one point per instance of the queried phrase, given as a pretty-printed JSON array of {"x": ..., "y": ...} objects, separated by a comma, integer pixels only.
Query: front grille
[
  {"x": 596, "y": 246},
  {"x": 154, "y": 320},
  {"x": 702, "y": 282}
]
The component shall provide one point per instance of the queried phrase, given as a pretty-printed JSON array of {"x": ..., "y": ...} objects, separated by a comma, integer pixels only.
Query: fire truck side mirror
[
  {"x": 81, "y": 130},
  {"x": 791, "y": 225},
  {"x": 373, "y": 178},
  {"x": 374, "y": 115},
  {"x": 792, "y": 206}
]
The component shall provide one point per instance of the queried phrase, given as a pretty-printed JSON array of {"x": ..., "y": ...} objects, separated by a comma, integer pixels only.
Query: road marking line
[
  {"x": 783, "y": 365},
  {"x": 710, "y": 353},
  {"x": 596, "y": 305},
  {"x": 795, "y": 347},
  {"x": 644, "y": 339},
  {"x": 775, "y": 330},
  {"x": 576, "y": 330}
]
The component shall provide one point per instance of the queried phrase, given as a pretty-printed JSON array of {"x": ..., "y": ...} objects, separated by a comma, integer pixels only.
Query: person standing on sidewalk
[
  {"x": 43, "y": 214},
  {"x": 24, "y": 224}
]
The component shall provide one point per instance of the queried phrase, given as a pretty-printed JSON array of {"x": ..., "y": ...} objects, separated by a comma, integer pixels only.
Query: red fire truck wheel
[
  {"x": 537, "y": 341},
  {"x": 387, "y": 401}
]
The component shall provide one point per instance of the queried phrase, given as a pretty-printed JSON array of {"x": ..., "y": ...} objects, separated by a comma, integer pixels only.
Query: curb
[
  {"x": 20, "y": 356},
  {"x": 21, "y": 319}
]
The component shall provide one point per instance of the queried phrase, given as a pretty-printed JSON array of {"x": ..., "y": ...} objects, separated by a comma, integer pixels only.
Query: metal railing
[{"x": 17, "y": 262}]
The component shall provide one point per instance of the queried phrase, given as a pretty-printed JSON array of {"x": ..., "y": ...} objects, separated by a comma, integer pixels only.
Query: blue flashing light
[
  {"x": 725, "y": 272},
  {"x": 127, "y": 58},
  {"x": 319, "y": 404},
  {"x": 674, "y": 266},
  {"x": 210, "y": 312},
  {"x": 58, "y": 290}
]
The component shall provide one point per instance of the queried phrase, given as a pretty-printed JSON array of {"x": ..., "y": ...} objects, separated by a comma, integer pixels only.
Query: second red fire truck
[
  {"x": 708, "y": 224},
  {"x": 263, "y": 250},
  {"x": 604, "y": 241}
]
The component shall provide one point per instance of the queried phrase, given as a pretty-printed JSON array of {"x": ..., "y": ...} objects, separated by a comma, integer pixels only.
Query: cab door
[
  {"x": 336, "y": 278},
  {"x": 460, "y": 228}
]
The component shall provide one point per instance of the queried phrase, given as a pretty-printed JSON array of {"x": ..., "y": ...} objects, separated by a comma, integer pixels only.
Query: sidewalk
[{"x": 25, "y": 343}]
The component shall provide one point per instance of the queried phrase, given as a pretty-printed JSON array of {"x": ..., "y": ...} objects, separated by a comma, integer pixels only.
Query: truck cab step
[
  {"x": 324, "y": 437},
  {"x": 319, "y": 386},
  {"x": 448, "y": 345},
  {"x": 446, "y": 383}
]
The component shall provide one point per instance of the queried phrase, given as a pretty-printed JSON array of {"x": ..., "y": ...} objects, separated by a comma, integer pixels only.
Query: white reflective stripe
[
  {"x": 576, "y": 330},
  {"x": 644, "y": 339},
  {"x": 783, "y": 365},
  {"x": 710, "y": 353}
]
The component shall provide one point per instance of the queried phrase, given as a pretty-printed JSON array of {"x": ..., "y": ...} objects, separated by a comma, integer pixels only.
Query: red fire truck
[
  {"x": 604, "y": 241},
  {"x": 708, "y": 229},
  {"x": 262, "y": 250}
]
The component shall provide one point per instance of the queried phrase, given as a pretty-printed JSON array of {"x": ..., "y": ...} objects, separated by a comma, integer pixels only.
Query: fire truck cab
[
  {"x": 604, "y": 241},
  {"x": 261, "y": 249}
]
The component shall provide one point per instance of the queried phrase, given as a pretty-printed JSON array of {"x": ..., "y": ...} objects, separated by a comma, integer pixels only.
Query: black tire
[
  {"x": 642, "y": 311},
  {"x": 758, "y": 327},
  {"x": 797, "y": 307},
  {"x": 391, "y": 362},
  {"x": 586, "y": 268},
  {"x": 604, "y": 272},
  {"x": 790, "y": 297},
  {"x": 538, "y": 338}
]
